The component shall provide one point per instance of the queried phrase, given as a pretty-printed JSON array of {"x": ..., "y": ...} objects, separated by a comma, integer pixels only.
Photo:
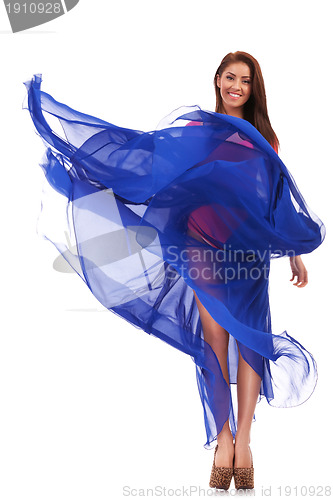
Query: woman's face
[{"x": 235, "y": 86}]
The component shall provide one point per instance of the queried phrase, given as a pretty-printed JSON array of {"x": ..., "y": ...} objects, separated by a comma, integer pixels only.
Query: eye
[
  {"x": 231, "y": 78},
  {"x": 246, "y": 81}
]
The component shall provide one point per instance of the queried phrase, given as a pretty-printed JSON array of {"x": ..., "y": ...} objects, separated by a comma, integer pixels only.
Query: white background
[{"x": 88, "y": 403}]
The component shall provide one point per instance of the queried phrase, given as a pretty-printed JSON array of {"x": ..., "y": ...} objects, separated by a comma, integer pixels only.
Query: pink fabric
[{"x": 215, "y": 220}]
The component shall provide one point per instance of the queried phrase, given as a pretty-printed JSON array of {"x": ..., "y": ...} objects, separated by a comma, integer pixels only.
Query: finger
[
  {"x": 304, "y": 277},
  {"x": 303, "y": 283},
  {"x": 295, "y": 276}
]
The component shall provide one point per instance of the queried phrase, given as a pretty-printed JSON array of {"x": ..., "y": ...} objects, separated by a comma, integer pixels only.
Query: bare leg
[
  {"x": 218, "y": 338},
  {"x": 248, "y": 387}
]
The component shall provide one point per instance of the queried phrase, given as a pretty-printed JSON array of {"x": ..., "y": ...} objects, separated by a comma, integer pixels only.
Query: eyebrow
[{"x": 233, "y": 74}]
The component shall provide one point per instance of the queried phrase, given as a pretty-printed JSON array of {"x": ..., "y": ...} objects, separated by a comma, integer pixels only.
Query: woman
[
  {"x": 240, "y": 92},
  {"x": 174, "y": 230}
]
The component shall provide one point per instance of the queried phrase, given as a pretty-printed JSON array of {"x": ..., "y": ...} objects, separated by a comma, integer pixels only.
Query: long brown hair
[{"x": 255, "y": 109}]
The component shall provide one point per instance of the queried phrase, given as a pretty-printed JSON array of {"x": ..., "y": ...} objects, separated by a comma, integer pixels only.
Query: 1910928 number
[{"x": 34, "y": 8}]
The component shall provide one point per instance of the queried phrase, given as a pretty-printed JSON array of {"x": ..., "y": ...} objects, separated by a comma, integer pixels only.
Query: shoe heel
[
  {"x": 244, "y": 477},
  {"x": 220, "y": 477}
]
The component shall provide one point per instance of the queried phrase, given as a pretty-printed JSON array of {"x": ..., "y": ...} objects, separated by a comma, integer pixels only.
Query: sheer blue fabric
[{"x": 145, "y": 218}]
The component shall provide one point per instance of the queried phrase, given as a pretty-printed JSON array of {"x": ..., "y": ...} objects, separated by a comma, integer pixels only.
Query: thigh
[{"x": 212, "y": 329}]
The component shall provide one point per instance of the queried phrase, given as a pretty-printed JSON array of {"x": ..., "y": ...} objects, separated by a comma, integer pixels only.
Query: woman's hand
[{"x": 299, "y": 270}]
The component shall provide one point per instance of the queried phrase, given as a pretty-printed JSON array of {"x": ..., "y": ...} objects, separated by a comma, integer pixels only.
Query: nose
[{"x": 236, "y": 85}]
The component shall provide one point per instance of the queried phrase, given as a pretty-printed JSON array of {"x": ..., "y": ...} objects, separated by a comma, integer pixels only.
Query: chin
[{"x": 233, "y": 104}]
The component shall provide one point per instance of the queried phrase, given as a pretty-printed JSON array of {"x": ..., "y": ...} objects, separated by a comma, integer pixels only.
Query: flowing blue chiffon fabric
[{"x": 145, "y": 218}]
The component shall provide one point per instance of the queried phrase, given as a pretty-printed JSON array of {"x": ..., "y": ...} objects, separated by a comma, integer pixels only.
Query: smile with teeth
[{"x": 234, "y": 96}]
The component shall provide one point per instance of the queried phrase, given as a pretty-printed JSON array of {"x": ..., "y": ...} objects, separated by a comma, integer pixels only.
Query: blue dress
[{"x": 145, "y": 218}]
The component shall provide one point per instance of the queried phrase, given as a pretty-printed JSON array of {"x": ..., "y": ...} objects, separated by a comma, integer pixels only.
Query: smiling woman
[
  {"x": 240, "y": 91},
  {"x": 235, "y": 88},
  {"x": 174, "y": 231}
]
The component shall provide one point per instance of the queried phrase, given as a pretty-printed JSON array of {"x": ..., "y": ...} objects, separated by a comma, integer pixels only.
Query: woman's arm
[{"x": 299, "y": 270}]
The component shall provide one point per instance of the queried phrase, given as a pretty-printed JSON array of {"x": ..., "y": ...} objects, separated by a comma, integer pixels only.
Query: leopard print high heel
[
  {"x": 244, "y": 477},
  {"x": 220, "y": 476}
]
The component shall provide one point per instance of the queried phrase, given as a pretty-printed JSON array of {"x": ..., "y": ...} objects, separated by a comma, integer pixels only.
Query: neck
[{"x": 237, "y": 112}]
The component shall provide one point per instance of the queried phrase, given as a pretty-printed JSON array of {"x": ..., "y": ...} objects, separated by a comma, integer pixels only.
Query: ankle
[
  {"x": 223, "y": 442},
  {"x": 225, "y": 434},
  {"x": 242, "y": 440}
]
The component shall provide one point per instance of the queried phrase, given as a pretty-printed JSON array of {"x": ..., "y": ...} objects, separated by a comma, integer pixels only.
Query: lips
[{"x": 234, "y": 96}]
